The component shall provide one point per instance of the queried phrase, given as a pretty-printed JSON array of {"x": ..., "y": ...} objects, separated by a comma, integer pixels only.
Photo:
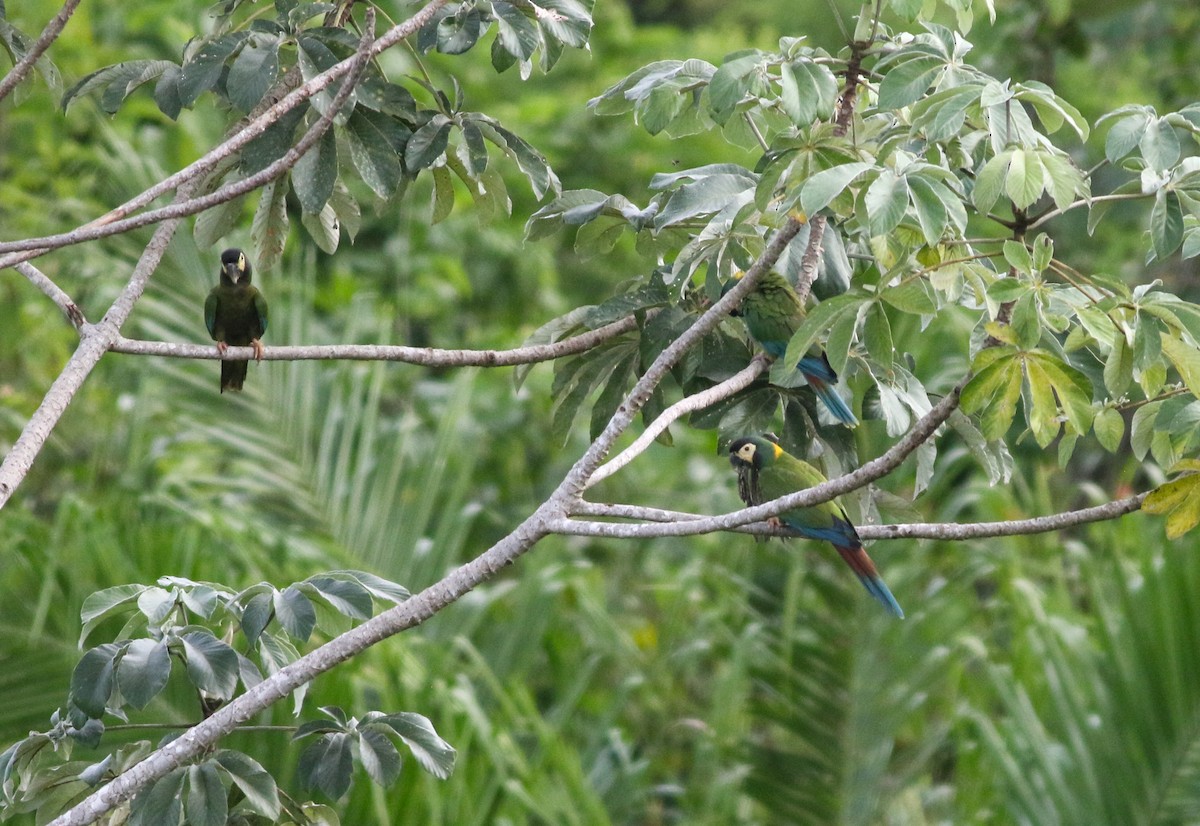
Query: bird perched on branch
[
  {"x": 772, "y": 313},
  {"x": 235, "y": 314},
  {"x": 765, "y": 472}
]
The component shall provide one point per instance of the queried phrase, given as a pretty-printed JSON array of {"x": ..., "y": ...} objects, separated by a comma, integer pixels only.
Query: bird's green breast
[{"x": 237, "y": 319}]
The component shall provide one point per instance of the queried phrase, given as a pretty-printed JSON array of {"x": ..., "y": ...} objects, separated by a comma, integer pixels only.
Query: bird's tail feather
[
  {"x": 821, "y": 378},
  {"x": 861, "y": 564},
  {"x": 832, "y": 401},
  {"x": 233, "y": 374}
]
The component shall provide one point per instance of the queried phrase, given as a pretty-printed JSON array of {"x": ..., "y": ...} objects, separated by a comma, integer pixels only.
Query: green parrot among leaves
[
  {"x": 236, "y": 315},
  {"x": 766, "y": 471},
  {"x": 772, "y": 313}
]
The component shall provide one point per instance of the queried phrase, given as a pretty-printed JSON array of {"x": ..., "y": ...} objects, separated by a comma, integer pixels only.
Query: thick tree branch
[
  {"x": 915, "y": 530},
  {"x": 49, "y": 34},
  {"x": 738, "y": 381},
  {"x": 426, "y": 356},
  {"x": 54, "y": 292}
]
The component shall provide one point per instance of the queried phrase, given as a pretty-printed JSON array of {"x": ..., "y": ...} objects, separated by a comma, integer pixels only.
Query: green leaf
[
  {"x": 1179, "y": 500},
  {"x": 1017, "y": 255},
  {"x": 212, "y": 666},
  {"x": 1186, "y": 360},
  {"x": 1073, "y": 388},
  {"x": 433, "y": 753},
  {"x": 344, "y": 596},
  {"x": 532, "y": 163},
  {"x": 1124, "y": 135},
  {"x": 709, "y": 193},
  {"x": 443, "y": 194},
  {"x": 428, "y": 143},
  {"x": 517, "y": 34},
  {"x": 253, "y": 72},
  {"x": 1118, "y": 367},
  {"x": 907, "y": 82},
  {"x": 1043, "y": 413},
  {"x": 202, "y": 71},
  {"x": 268, "y": 231},
  {"x": 931, "y": 209},
  {"x": 295, "y": 613},
  {"x": 886, "y": 202},
  {"x": 207, "y": 803},
  {"x": 100, "y": 605},
  {"x": 809, "y": 91},
  {"x": 1110, "y": 428},
  {"x": 143, "y": 671},
  {"x": 1159, "y": 145},
  {"x": 161, "y": 803},
  {"x": 1141, "y": 432},
  {"x": 822, "y": 188},
  {"x": 326, "y": 765},
  {"x": 254, "y": 781},
  {"x": 877, "y": 335},
  {"x": 271, "y": 145},
  {"x": 1166, "y": 223},
  {"x": 993, "y": 391},
  {"x": 820, "y": 319},
  {"x": 378, "y": 756},
  {"x": 732, "y": 81},
  {"x": 1026, "y": 179},
  {"x": 377, "y": 586},
  {"x": 1026, "y": 321},
  {"x": 323, "y": 228},
  {"x": 373, "y": 155},
  {"x": 92, "y": 680},
  {"x": 990, "y": 182},
  {"x": 118, "y": 81},
  {"x": 314, "y": 174},
  {"x": 915, "y": 297},
  {"x": 314, "y": 58}
]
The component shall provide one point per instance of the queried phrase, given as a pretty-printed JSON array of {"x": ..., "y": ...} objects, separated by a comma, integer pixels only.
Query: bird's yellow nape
[
  {"x": 241, "y": 262},
  {"x": 778, "y": 450}
]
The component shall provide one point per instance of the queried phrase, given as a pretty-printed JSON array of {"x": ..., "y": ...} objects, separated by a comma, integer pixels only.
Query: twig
[
  {"x": 914, "y": 530},
  {"x": 1054, "y": 213},
  {"x": 54, "y": 292},
  {"x": 49, "y": 35},
  {"x": 738, "y": 381},
  {"x": 426, "y": 356}
]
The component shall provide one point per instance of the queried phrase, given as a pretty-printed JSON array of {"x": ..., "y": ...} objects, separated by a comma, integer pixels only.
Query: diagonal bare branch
[
  {"x": 49, "y": 34},
  {"x": 738, "y": 381},
  {"x": 54, "y": 292}
]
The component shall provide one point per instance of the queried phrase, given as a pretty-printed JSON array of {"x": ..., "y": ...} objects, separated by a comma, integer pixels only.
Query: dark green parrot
[
  {"x": 235, "y": 314},
  {"x": 772, "y": 313},
  {"x": 765, "y": 472}
]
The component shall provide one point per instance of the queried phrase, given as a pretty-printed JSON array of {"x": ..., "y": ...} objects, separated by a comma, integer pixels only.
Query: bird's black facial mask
[{"x": 737, "y": 310}]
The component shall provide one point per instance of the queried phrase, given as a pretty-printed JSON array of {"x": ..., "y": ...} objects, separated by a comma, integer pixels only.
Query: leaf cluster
[{"x": 221, "y": 638}]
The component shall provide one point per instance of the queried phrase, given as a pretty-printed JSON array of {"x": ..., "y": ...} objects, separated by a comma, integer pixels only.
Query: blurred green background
[{"x": 708, "y": 680}]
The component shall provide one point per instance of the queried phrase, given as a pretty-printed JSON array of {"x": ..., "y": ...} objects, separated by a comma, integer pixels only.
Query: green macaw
[
  {"x": 765, "y": 472},
  {"x": 235, "y": 314},
  {"x": 772, "y": 313}
]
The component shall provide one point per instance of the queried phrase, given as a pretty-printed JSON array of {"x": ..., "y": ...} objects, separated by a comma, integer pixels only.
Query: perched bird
[
  {"x": 765, "y": 472},
  {"x": 235, "y": 314},
  {"x": 772, "y": 313}
]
